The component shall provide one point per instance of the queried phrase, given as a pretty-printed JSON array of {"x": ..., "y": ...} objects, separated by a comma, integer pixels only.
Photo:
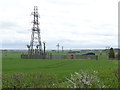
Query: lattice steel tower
[{"x": 35, "y": 43}]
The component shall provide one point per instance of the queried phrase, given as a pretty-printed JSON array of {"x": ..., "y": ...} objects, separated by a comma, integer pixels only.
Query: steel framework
[{"x": 35, "y": 43}]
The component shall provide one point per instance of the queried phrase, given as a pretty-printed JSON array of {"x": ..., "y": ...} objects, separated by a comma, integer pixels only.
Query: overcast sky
[{"x": 74, "y": 24}]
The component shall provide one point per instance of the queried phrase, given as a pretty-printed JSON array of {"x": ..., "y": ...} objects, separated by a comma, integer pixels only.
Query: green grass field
[{"x": 107, "y": 69}]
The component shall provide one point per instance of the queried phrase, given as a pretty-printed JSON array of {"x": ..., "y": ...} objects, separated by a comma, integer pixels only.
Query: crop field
[{"x": 47, "y": 73}]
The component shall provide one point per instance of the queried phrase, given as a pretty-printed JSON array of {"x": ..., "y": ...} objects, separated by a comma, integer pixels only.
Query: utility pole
[
  {"x": 44, "y": 47},
  {"x": 62, "y": 48},
  {"x": 44, "y": 50},
  {"x": 58, "y": 47}
]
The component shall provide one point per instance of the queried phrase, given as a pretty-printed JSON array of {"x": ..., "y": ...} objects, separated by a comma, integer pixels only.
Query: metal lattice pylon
[{"x": 35, "y": 36}]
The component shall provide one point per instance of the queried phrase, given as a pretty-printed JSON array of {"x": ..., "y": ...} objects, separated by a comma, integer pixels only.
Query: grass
[{"x": 107, "y": 69}]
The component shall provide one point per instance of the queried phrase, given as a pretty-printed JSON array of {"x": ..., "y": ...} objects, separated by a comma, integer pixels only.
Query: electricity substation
[{"x": 35, "y": 50}]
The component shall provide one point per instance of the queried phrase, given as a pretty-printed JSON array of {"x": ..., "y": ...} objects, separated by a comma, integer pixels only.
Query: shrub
[
  {"x": 83, "y": 80},
  {"x": 111, "y": 54},
  {"x": 28, "y": 80}
]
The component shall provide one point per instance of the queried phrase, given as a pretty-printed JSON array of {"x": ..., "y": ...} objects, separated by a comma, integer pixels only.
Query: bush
[
  {"x": 83, "y": 80},
  {"x": 28, "y": 80},
  {"x": 111, "y": 54}
]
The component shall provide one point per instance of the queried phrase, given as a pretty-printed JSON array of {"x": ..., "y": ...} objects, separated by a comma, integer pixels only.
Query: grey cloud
[
  {"x": 8, "y": 25},
  {"x": 102, "y": 34},
  {"x": 93, "y": 24},
  {"x": 12, "y": 26},
  {"x": 63, "y": 2},
  {"x": 16, "y": 44},
  {"x": 103, "y": 26},
  {"x": 67, "y": 43}
]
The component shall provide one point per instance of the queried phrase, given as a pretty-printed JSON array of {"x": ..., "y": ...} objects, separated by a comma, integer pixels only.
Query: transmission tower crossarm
[{"x": 35, "y": 36}]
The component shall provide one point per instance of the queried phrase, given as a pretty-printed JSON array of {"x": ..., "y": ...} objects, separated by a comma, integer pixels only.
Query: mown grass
[{"x": 107, "y": 69}]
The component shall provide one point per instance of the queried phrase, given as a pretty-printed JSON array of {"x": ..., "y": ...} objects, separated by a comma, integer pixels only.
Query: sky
[{"x": 74, "y": 24}]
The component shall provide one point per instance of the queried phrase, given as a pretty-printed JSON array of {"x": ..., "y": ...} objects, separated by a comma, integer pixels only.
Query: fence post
[{"x": 96, "y": 57}]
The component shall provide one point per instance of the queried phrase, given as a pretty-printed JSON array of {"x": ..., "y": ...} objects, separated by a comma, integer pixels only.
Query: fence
[
  {"x": 50, "y": 56},
  {"x": 89, "y": 57},
  {"x": 58, "y": 57},
  {"x": 34, "y": 56}
]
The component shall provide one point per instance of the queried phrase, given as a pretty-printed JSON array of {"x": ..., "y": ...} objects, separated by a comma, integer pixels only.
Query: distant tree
[{"x": 111, "y": 53}]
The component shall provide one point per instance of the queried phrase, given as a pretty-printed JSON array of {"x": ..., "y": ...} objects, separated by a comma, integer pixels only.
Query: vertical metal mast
[
  {"x": 35, "y": 36},
  {"x": 58, "y": 47}
]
